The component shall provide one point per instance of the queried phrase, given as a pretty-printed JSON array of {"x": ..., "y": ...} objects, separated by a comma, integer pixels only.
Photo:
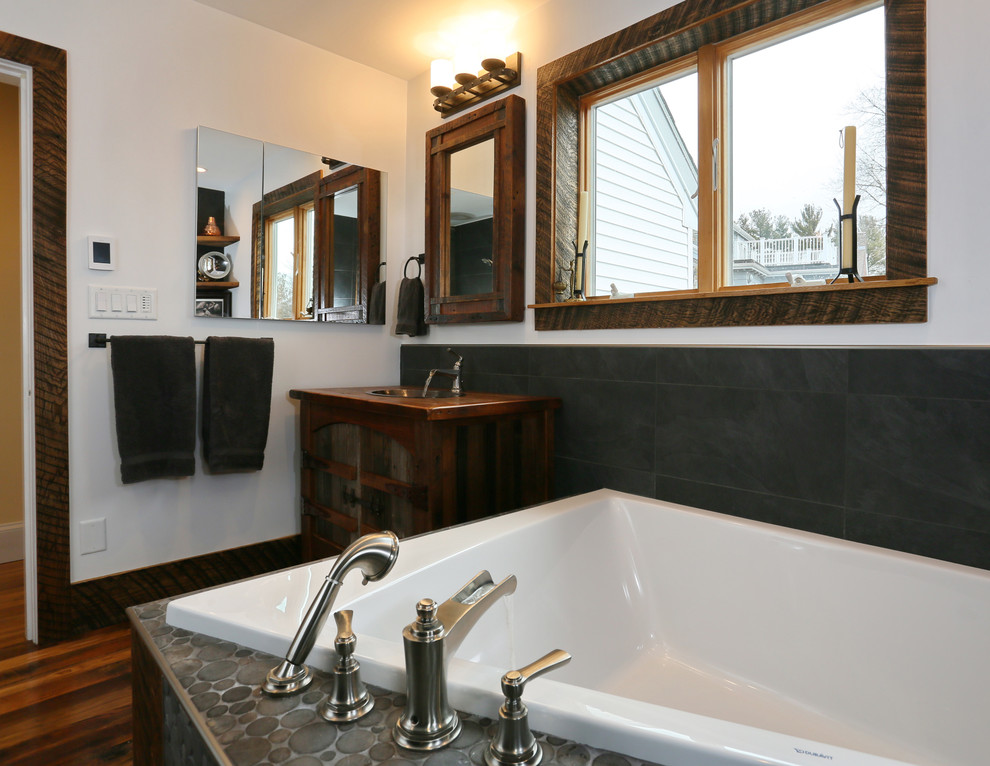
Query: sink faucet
[
  {"x": 374, "y": 555},
  {"x": 429, "y": 722},
  {"x": 454, "y": 372}
]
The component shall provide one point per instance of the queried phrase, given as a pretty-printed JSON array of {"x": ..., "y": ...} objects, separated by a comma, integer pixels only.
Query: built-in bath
[{"x": 697, "y": 638}]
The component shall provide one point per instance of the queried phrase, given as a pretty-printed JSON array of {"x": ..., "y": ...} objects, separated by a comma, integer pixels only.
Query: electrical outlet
[
  {"x": 108, "y": 302},
  {"x": 93, "y": 535}
]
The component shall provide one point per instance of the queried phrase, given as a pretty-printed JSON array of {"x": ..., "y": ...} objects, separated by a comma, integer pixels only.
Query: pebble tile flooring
[{"x": 222, "y": 680}]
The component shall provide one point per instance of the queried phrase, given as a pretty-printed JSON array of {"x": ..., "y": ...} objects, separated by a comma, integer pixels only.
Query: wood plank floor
[{"x": 64, "y": 704}]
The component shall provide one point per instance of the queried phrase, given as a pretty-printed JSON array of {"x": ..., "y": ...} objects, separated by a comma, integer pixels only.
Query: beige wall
[{"x": 11, "y": 480}]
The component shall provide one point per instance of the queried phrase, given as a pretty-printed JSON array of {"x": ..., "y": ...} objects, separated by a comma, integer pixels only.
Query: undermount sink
[{"x": 413, "y": 392}]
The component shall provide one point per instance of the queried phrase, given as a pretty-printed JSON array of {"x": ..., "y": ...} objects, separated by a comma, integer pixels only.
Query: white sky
[{"x": 789, "y": 103}]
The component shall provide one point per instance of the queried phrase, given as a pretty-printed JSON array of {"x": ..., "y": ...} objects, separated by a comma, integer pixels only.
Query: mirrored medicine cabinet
[
  {"x": 475, "y": 215},
  {"x": 283, "y": 234}
]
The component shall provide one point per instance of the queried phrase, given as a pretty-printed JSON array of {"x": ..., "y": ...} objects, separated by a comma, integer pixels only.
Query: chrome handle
[
  {"x": 343, "y": 618},
  {"x": 515, "y": 681},
  {"x": 460, "y": 358},
  {"x": 514, "y": 743}
]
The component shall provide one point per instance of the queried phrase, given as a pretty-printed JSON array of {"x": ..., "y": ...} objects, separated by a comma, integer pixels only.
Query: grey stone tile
[
  {"x": 775, "y": 369},
  {"x": 922, "y": 459},
  {"x": 777, "y": 442},
  {"x": 919, "y": 537},
  {"x": 610, "y": 423},
  {"x": 757, "y": 506},
  {"x": 574, "y": 477},
  {"x": 499, "y": 360},
  {"x": 630, "y": 363},
  {"x": 934, "y": 373}
]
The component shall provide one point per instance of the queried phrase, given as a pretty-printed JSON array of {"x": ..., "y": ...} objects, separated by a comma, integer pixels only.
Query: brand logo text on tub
[{"x": 799, "y": 751}]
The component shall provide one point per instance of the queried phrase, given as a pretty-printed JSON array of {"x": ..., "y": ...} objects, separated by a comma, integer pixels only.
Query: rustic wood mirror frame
[
  {"x": 369, "y": 216},
  {"x": 683, "y": 28},
  {"x": 504, "y": 121}
]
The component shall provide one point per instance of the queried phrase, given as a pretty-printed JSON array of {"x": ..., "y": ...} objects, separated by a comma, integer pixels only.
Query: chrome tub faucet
[
  {"x": 429, "y": 722},
  {"x": 454, "y": 372},
  {"x": 374, "y": 555}
]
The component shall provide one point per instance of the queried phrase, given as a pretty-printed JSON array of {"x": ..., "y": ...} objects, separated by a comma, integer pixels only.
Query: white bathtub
[{"x": 697, "y": 639}]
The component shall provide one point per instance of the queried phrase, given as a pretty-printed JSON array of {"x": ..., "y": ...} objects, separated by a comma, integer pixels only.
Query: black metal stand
[
  {"x": 578, "y": 267},
  {"x": 848, "y": 220}
]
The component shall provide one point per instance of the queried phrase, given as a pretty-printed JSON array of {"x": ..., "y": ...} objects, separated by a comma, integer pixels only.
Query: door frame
[
  {"x": 20, "y": 77},
  {"x": 45, "y": 343}
]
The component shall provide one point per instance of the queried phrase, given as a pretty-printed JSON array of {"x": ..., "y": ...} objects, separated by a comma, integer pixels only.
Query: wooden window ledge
[{"x": 875, "y": 301}]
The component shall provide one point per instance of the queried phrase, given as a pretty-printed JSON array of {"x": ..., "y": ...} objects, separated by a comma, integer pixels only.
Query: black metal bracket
[{"x": 849, "y": 219}]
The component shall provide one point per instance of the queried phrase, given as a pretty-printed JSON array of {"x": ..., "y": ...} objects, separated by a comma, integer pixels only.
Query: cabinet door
[{"x": 361, "y": 481}]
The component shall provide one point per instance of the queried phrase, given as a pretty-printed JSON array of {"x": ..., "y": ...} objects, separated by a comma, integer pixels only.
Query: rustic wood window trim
[{"x": 676, "y": 32}]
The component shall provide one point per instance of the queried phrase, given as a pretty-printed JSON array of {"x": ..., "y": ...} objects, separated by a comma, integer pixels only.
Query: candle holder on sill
[
  {"x": 577, "y": 272},
  {"x": 849, "y": 219}
]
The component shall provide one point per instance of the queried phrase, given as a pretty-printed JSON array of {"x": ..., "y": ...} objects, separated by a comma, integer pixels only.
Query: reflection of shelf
[
  {"x": 202, "y": 239},
  {"x": 216, "y": 285}
]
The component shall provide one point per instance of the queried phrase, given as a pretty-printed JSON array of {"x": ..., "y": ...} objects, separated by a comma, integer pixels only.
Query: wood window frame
[
  {"x": 692, "y": 27},
  {"x": 302, "y": 260},
  {"x": 300, "y": 192}
]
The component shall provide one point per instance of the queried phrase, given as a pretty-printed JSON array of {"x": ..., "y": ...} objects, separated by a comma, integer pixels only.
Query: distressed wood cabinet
[{"x": 414, "y": 465}]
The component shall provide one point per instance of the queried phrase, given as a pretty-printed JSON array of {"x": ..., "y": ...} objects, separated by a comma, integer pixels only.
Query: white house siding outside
[{"x": 644, "y": 220}]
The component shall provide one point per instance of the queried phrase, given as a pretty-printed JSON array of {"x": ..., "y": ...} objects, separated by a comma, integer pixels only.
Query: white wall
[
  {"x": 142, "y": 74},
  {"x": 958, "y": 111}
]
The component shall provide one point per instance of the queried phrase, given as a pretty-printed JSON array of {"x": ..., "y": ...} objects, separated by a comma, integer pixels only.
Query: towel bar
[{"x": 101, "y": 339}]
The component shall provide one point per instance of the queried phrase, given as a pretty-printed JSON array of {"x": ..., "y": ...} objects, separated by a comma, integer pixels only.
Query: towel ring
[
  {"x": 419, "y": 259},
  {"x": 378, "y": 271}
]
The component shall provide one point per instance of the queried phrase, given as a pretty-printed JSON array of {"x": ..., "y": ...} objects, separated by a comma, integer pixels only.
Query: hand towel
[
  {"x": 237, "y": 399},
  {"x": 376, "y": 304},
  {"x": 410, "y": 319},
  {"x": 154, "y": 399}
]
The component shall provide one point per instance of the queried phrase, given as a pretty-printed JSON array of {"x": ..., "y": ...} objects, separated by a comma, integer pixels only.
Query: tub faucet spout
[
  {"x": 429, "y": 722},
  {"x": 374, "y": 555}
]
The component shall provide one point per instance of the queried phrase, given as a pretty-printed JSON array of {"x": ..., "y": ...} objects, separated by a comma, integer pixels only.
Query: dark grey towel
[
  {"x": 376, "y": 304},
  {"x": 237, "y": 400},
  {"x": 154, "y": 400},
  {"x": 409, "y": 314}
]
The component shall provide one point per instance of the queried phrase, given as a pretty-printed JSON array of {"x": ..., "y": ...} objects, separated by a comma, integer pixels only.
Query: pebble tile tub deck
[{"x": 222, "y": 682}]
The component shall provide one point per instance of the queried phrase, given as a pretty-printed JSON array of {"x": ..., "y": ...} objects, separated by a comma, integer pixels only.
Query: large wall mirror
[
  {"x": 475, "y": 215},
  {"x": 280, "y": 236}
]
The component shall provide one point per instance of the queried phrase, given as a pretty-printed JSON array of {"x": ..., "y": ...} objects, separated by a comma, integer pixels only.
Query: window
[{"x": 709, "y": 148}]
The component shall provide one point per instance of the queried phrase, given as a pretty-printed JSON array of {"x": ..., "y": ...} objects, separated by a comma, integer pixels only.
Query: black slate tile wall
[{"x": 889, "y": 447}]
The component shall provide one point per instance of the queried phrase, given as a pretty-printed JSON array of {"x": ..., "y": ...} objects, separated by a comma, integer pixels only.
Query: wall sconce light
[{"x": 457, "y": 90}]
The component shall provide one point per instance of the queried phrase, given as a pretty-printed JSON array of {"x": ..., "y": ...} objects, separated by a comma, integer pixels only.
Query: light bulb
[
  {"x": 465, "y": 67},
  {"x": 441, "y": 76}
]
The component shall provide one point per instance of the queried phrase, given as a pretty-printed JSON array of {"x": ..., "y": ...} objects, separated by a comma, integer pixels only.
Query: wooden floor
[{"x": 65, "y": 704}]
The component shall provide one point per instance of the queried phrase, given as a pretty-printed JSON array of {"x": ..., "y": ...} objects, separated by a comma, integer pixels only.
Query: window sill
[{"x": 882, "y": 301}]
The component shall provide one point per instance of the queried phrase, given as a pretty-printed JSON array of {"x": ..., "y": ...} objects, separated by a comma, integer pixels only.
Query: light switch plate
[{"x": 108, "y": 302}]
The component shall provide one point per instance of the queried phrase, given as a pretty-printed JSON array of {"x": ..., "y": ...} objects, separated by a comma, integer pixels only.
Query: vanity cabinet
[{"x": 414, "y": 465}]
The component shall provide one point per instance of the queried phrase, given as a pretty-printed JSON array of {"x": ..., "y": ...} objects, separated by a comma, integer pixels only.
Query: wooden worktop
[{"x": 470, "y": 405}]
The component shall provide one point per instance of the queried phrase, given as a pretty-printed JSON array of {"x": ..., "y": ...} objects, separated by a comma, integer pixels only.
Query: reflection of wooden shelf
[
  {"x": 216, "y": 285},
  {"x": 202, "y": 239}
]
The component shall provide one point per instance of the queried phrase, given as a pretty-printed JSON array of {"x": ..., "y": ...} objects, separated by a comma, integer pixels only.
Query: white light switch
[
  {"x": 123, "y": 302},
  {"x": 93, "y": 535}
]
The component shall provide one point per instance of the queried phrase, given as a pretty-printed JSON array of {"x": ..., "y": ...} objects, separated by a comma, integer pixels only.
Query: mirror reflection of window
[
  {"x": 346, "y": 263},
  {"x": 289, "y": 263},
  {"x": 472, "y": 191}
]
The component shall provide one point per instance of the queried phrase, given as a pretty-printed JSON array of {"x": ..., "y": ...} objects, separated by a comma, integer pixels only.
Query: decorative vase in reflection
[{"x": 211, "y": 229}]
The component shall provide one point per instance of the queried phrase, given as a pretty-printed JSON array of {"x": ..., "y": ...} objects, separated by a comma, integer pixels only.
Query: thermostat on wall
[{"x": 102, "y": 254}]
